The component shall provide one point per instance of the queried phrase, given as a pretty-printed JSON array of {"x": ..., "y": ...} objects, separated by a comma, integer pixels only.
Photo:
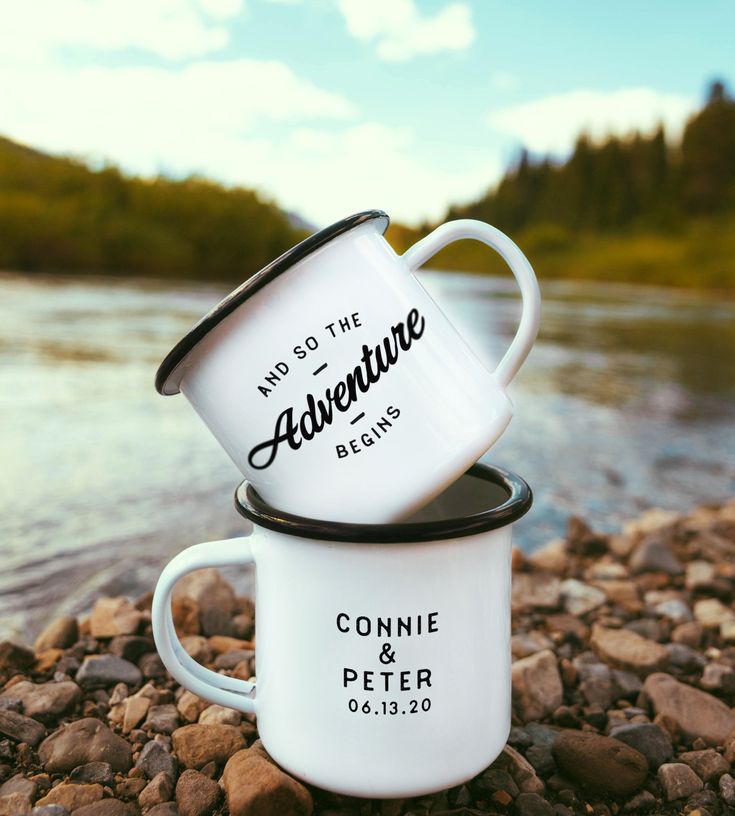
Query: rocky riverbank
[{"x": 623, "y": 687}]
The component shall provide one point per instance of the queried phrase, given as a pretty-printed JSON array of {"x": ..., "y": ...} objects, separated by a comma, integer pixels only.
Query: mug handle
[
  {"x": 528, "y": 327},
  {"x": 217, "y": 688}
]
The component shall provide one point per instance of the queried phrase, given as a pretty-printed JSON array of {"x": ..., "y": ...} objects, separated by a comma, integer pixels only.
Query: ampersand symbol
[{"x": 387, "y": 655}]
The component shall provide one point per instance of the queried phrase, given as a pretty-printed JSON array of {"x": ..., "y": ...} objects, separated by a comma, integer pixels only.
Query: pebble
[
  {"x": 156, "y": 758},
  {"x": 523, "y": 773},
  {"x": 213, "y": 596},
  {"x": 220, "y": 714},
  {"x": 45, "y": 701},
  {"x": 21, "y": 728},
  {"x": 196, "y": 794},
  {"x": 707, "y": 764},
  {"x": 190, "y": 706},
  {"x": 52, "y": 810},
  {"x": 602, "y": 765},
  {"x": 692, "y": 712},
  {"x": 164, "y": 809},
  {"x": 83, "y": 741},
  {"x": 253, "y": 785},
  {"x": 537, "y": 686},
  {"x": 718, "y": 677},
  {"x": 108, "y": 807},
  {"x": 102, "y": 671},
  {"x": 648, "y": 739},
  {"x": 678, "y": 780},
  {"x": 535, "y": 590},
  {"x": 72, "y": 795},
  {"x": 712, "y": 613},
  {"x": 580, "y": 598},
  {"x": 196, "y": 745},
  {"x": 159, "y": 789},
  {"x": 653, "y": 554},
  {"x": 131, "y": 647},
  {"x": 627, "y": 650},
  {"x": 685, "y": 658},
  {"x": 528, "y": 643},
  {"x": 114, "y": 616},
  {"x": 93, "y": 772},
  {"x": 531, "y": 804},
  {"x": 13, "y": 656},
  {"x": 151, "y": 667},
  {"x": 727, "y": 789},
  {"x": 163, "y": 719},
  {"x": 59, "y": 634}
]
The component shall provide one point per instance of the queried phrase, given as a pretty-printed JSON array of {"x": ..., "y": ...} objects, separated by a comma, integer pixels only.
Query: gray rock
[
  {"x": 641, "y": 802},
  {"x": 21, "y": 728},
  {"x": 152, "y": 666},
  {"x": 155, "y": 759},
  {"x": 8, "y": 703},
  {"x": 580, "y": 598},
  {"x": 83, "y": 741},
  {"x": 59, "y": 634},
  {"x": 131, "y": 647},
  {"x": 595, "y": 683},
  {"x": 93, "y": 772},
  {"x": 45, "y": 701},
  {"x": 707, "y": 764},
  {"x": 653, "y": 554},
  {"x": 230, "y": 659},
  {"x": 678, "y": 780},
  {"x": 648, "y": 739},
  {"x": 542, "y": 734},
  {"x": 541, "y": 758},
  {"x": 675, "y": 610},
  {"x": 50, "y": 810},
  {"x": 495, "y": 779},
  {"x": 627, "y": 685},
  {"x": 535, "y": 590},
  {"x": 727, "y": 789},
  {"x": 163, "y": 719},
  {"x": 520, "y": 769},
  {"x": 102, "y": 671},
  {"x": 528, "y": 643},
  {"x": 531, "y": 804},
  {"x": 685, "y": 658}
]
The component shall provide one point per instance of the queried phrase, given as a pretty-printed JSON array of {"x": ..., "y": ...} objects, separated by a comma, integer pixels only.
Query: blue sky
[{"x": 332, "y": 106}]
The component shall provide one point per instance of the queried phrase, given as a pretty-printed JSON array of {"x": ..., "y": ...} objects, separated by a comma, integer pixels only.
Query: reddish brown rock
[{"x": 196, "y": 745}]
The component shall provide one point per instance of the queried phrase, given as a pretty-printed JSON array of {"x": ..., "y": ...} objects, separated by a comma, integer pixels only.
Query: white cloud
[
  {"x": 552, "y": 124},
  {"x": 503, "y": 80},
  {"x": 400, "y": 31},
  {"x": 171, "y": 29}
]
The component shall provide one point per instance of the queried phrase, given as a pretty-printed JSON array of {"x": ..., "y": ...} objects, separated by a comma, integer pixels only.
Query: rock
[
  {"x": 152, "y": 666},
  {"x": 718, "y": 677},
  {"x": 196, "y": 794},
  {"x": 580, "y": 598},
  {"x": 19, "y": 784},
  {"x": 196, "y": 745},
  {"x": 707, "y": 764},
  {"x": 531, "y": 804},
  {"x": 213, "y": 595},
  {"x": 83, "y": 741},
  {"x": 130, "y": 788},
  {"x": 684, "y": 658},
  {"x": 693, "y": 713},
  {"x": 102, "y": 671},
  {"x": 220, "y": 714},
  {"x": 595, "y": 682},
  {"x": 14, "y": 656},
  {"x": 99, "y": 773},
  {"x": 727, "y": 789},
  {"x": 164, "y": 809},
  {"x": 198, "y": 648},
  {"x": 689, "y": 634},
  {"x": 255, "y": 786},
  {"x": 59, "y": 634},
  {"x": 107, "y": 807},
  {"x": 114, "y": 616},
  {"x": 653, "y": 520},
  {"x": 537, "y": 686},
  {"x": 674, "y": 609},
  {"x": 627, "y": 650},
  {"x": 535, "y": 590},
  {"x": 602, "y": 765},
  {"x": 642, "y": 802},
  {"x": 653, "y": 554},
  {"x": 626, "y": 684},
  {"x": 541, "y": 758},
  {"x": 528, "y": 643},
  {"x": 520, "y": 769},
  {"x": 678, "y": 780},
  {"x": 45, "y": 701},
  {"x": 582, "y": 540},
  {"x": 622, "y": 593},
  {"x": 186, "y": 616},
  {"x": 552, "y": 557},
  {"x": 727, "y": 630},
  {"x": 648, "y": 739},
  {"x": 190, "y": 706},
  {"x": 53, "y": 810},
  {"x": 135, "y": 709},
  {"x": 699, "y": 575},
  {"x": 156, "y": 758},
  {"x": 159, "y": 789},
  {"x": 163, "y": 719},
  {"x": 711, "y": 613},
  {"x": 15, "y": 804},
  {"x": 72, "y": 796},
  {"x": 131, "y": 647},
  {"x": 228, "y": 660},
  {"x": 495, "y": 779},
  {"x": 221, "y": 644},
  {"x": 21, "y": 728}
]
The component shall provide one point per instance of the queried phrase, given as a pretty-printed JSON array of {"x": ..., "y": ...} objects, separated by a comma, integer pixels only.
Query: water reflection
[{"x": 626, "y": 402}]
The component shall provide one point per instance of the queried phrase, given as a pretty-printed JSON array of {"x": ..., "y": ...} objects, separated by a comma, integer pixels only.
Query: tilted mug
[
  {"x": 333, "y": 368},
  {"x": 383, "y": 651}
]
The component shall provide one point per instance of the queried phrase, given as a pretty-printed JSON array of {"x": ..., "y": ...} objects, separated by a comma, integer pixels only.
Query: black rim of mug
[
  {"x": 250, "y": 287},
  {"x": 250, "y": 505}
]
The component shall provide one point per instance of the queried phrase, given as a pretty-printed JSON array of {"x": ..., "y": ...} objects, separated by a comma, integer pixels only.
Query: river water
[{"x": 626, "y": 402}]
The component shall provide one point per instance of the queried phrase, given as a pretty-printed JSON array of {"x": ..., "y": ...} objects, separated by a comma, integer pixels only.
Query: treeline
[
  {"x": 58, "y": 214},
  {"x": 623, "y": 182}
]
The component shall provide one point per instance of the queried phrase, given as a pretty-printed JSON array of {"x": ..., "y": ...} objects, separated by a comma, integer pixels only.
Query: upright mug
[
  {"x": 383, "y": 651},
  {"x": 333, "y": 368}
]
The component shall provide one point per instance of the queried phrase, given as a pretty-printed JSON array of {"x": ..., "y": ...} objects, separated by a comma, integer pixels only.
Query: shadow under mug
[
  {"x": 333, "y": 368},
  {"x": 383, "y": 651}
]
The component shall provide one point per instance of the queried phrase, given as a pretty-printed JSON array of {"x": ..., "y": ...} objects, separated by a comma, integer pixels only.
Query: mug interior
[{"x": 484, "y": 498}]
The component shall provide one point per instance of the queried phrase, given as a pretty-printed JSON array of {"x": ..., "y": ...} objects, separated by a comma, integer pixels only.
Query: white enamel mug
[
  {"x": 333, "y": 368},
  {"x": 383, "y": 651}
]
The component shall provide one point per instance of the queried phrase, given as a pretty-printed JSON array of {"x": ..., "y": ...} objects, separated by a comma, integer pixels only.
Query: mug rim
[
  {"x": 520, "y": 497},
  {"x": 253, "y": 284}
]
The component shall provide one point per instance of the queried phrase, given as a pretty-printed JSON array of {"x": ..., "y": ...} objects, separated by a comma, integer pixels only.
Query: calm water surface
[{"x": 627, "y": 401}]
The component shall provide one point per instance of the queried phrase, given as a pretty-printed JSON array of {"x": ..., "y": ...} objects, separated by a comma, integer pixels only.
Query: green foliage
[{"x": 57, "y": 214}]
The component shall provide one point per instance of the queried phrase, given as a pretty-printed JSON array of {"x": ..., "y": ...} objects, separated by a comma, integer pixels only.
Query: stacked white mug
[{"x": 356, "y": 413}]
